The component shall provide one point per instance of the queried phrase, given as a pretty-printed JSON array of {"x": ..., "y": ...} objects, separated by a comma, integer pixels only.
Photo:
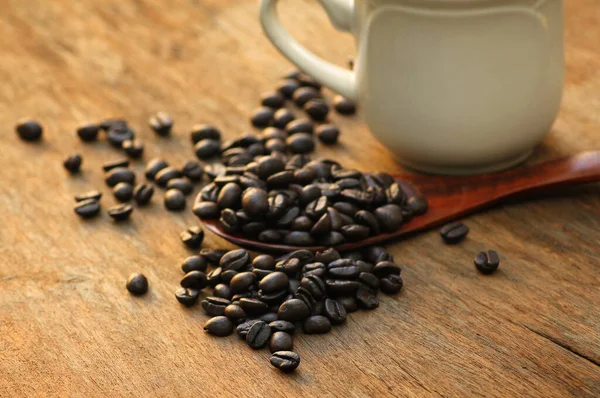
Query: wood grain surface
[{"x": 68, "y": 327}]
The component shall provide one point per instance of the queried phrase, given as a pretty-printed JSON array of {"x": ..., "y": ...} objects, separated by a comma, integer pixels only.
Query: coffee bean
[
  {"x": 142, "y": 194},
  {"x": 96, "y": 195},
  {"x": 328, "y": 134},
  {"x": 119, "y": 174},
  {"x": 327, "y": 256},
  {"x": 317, "y": 208},
  {"x": 372, "y": 253},
  {"x": 274, "y": 298},
  {"x": 192, "y": 170},
  {"x": 153, "y": 167},
  {"x": 389, "y": 217},
  {"x": 213, "y": 256},
  {"x": 269, "y": 165},
  {"x": 236, "y": 260},
  {"x": 254, "y": 202},
  {"x": 242, "y": 328},
  {"x": 194, "y": 263},
  {"x": 88, "y": 132},
  {"x": 29, "y": 130},
  {"x": 133, "y": 148},
  {"x": 289, "y": 266},
  {"x": 349, "y": 303},
  {"x": 317, "y": 269},
  {"x": 293, "y": 310},
  {"x": 342, "y": 269},
  {"x": 363, "y": 266},
  {"x": 273, "y": 99},
  {"x": 229, "y": 221},
  {"x": 219, "y": 326},
  {"x": 454, "y": 232},
  {"x": 301, "y": 143},
  {"x": 355, "y": 232},
  {"x": 286, "y": 361},
  {"x": 207, "y": 148},
  {"x": 395, "y": 194},
  {"x": 253, "y": 306},
  {"x": 235, "y": 313},
  {"x": 304, "y": 94},
  {"x": 344, "y": 106},
  {"x": 137, "y": 284},
  {"x": 73, "y": 163},
  {"x": 366, "y": 300},
  {"x": 334, "y": 311},
  {"x": 261, "y": 273},
  {"x": 385, "y": 268},
  {"x": 300, "y": 126},
  {"x": 204, "y": 132},
  {"x": 194, "y": 280},
  {"x": 215, "y": 306},
  {"x": 242, "y": 282},
  {"x": 281, "y": 118},
  {"x": 258, "y": 335},
  {"x": 120, "y": 212},
  {"x": 87, "y": 208},
  {"x": 270, "y": 236},
  {"x": 187, "y": 297},
  {"x": 262, "y": 117},
  {"x": 317, "y": 109},
  {"x": 192, "y": 237},
  {"x": 283, "y": 326},
  {"x": 119, "y": 134},
  {"x": 174, "y": 200},
  {"x": 487, "y": 263},
  {"x": 314, "y": 285},
  {"x": 287, "y": 87},
  {"x": 301, "y": 223},
  {"x": 182, "y": 184},
  {"x": 215, "y": 170},
  {"x": 368, "y": 282},
  {"x": 341, "y": 287},
  {"x": 281, "y": 179},
  {"x": 221, "y": 290},
  {"x": 288, "y": 216},
  {"x": 391, "y": 284},
  {"x": 316, "y": 324},
  {"x": 107, "y": 124},
  {"x": 214, "y": 277},
  {"x": 161, "y": 123},
  {"x": 281, "y": 341},
  {"x": 274, "y": 282},
  {"x": 123, "y": 191}
]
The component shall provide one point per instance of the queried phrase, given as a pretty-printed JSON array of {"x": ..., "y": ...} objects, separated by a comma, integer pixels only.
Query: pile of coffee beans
[{"x": 266, "y": 299}]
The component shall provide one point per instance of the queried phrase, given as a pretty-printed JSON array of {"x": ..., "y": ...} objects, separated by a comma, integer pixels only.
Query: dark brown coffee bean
[
  {"x": 328, "y": 134},
  {"x": 153, "y": 167},
  {"x": 214, "y": 277},
  {"x": 204, "y": 132},
  {"x": 316, "y": 324},
  {"x": 286, "y": 361},
  {"x": 307, "y": 81},
  {"x": 281, "y": 179},
  {"x": 123, "y": 192},
  {"x": 161, "y": 123},
  {"x": 287, "y": 87},
  {"x": 389, "y": 217},
  {"x": 214, "y": 306},
  {"x": 385, "y": 268},
  {"x": 88, "y": 132},
  {"x": 304, "y": 94},
  {"x": 300, "y": 126},
  {"x": 219, "y": 326},
  {"x": 344, "y": 106},
  {"x": 283, "y": 326},
  {"x": 207, "y": 148},
  {"x": 293, "y": 310},
  {"x": 194, "y": 280},
  {"x": 334, "y": 311},
  {"x": 372, "y": 253},
  {"x": 289, "y": 266},
  {"x": 119, "y": 174},
  {"x": 96, "y": 195},
  {"x": 137, "y": 284},
  {"x": 317, "y": 109},
  {"x": 395, "y": 194},
  {"x": 165, "y": 175},
  {"x": 301, "y": 143},
  {"x": 182, "y": 184},
  {"x": 274, "y": 282},
  {"x": 366, "y": 300},
  {"x": 327, "y": 256},
  {"x": 242, "y": 282},
  {"x": 341, "y": 287},
  {"x": 120, "y": 212},
  {"x": 270, "y": 236},
  {"x": 258, "y": 335},
  {"x": 262, "y": 117},
  {"x": 346, "y": 208},
  {"x": 454, "y": 232},
  {"x": 342, "y": 269},
  {"x": 314, "y": 285},
  {"x": 487, "y": 263},
  {"x": 213, "y": 256},
  {"x": 273, "y": 99},
  {"x": 317, "y": 208},
  {"x": 193, "y": 170},
  {"x": 355, "y": 232},
  {"x": 269, "y": 165},
  {"x": 29, "y": 130},
  {"x": 119, "y": 134},
  {"x": 253, "y": 306},
  {"x": 301, "y": 223},
  {"x": 142, "y": 194},
  {"x": 73, "y": 163},
  {"x": 194, "y": 263},
  {"x": 222, "y": 290},
  {"x": 133, "y": 148},
  {"x": 192, "y": 237},
  {"x": 369, "y": 282},
  {"x": 235, "y": 313},
  {"x": 187, "y": 297},
  {"x": 281, "y": 341},
  {"x": 391, "y": 284},
  {"x": 298, "y": 238},
  {"x": 87, "y": 208},
  {"x": 316, "y": 269},
  {"x": 418, "y": 205},
  {"x": 174, "y": 200},
  {"x": 364, "y": 266},
  {"x": 264, "y": 261},
  {"x": 230, "y": 196},
  {"x": 281, "y": 118},
  {"x": 349, "y": 303}
]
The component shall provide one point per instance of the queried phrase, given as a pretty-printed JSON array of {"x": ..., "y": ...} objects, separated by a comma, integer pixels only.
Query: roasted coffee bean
[
  {"x": 366, "y": 299},
  {"x": 316, "y": 269},
  {"x": 304, "y": 176},
  {"x": 314, "y": 285},
  {"x": 343, "y": 105},
  {"x": 119, "y": 134},
  {"x": 487, "y": 263},
  {"x": 303, "y": 255},
  {"x": 385, "y": 268},
  {"x": 270, "y": 236},
  {"x": 372, "y": 253},
  {"x": 283, "y": 326},
  {"x": 242, "y": 328},
  {"x": 289, "y": 266},
  {"x": 215, "y": 170},
  {"x": 213, "y": 256},
  {"x": 300, "y": 126},
  {"x": 192, "y": 237},
  {"x": 119, "y": 174},
  {"x": 341, "y": 174},
  {"x": 358, "y": 197},
  {"x": 286, "y": 361},
  {"x": 342, "y": 269},
  {"x": 165, "y": 175},
  {"x": 275, "y": 145},
  {"x": 194, "y": 263},
  {"x": 391, "y": 284},
  {"x": 236, "y": 260},
  {"x": 235, "y": 313},
  {"x": 287, "y": 87},
  {"x": 96, "y": 195},
  {"x": 219, "y": 326},
  {"x": 214, "y": 306},
  {"x": 317, "y": 208},
  {"x": 88, "y": 132},
  {"x": 281, "y": 341},
  {"x": 153, "y": 167},
  {"x": 242, "y": 282},
  {"x": 349, "y": 303},
  {"x": 327, "y": 256},
  {"x": 113, "y": 164},
  {"x": 273, "y": 133},
  {"x": 328, "y": 134},
  {"x": 418, "y": 205},
  {"x": 273, "y": 99},
  {"x": 311, "y": 193},
  {"x": 192, "y": 170},
  {"x": 123, "y": 192},
  {"x": 187, "y": 297},
  {"x": 137, "y": 284},
  {"x": 262, "y": 117},
  {"x": 207, "y": 148},
  {"x": 29, "y": 130},
  {"x": 258, "y": 335},
  {"x": 73, "y": 163},
  {"x": 269, "y": 165},
  {"x": 142, "y": 194},
  {"x": 341, "y": 287},
  {"x": 269, "y": 317},
  {"x": 368, "y": 282},
  {"x": 304, "y": 94},
  {"x": 317, "y": 109},
  {"x": 256, "y": 149},
  {"x": 293, "y": 310},
  {"x": 346, "y": 208},
  {"x": 301, "y": 223},
  {"x": 334, "y": 311},
  {"x": 253, "y": 229},
  {"x": 348, "y": 183},
  {"x": 355, "y": 232},
  {"x": 253, "y": 306},
  {"x": 161, "y": 123},
  {"x": 133, "y": 148},
  {"x": 226, "y": 276},
  {"x": 264, "y": 261},
  {"x": 322, "y": 226},
  {"x": 214, "y": 277},
  {"x": 204, "y": 132},
  {"x": 322, "y": 169},
  {"x": 174, "y": 200},
  {"x": 222, "y": 290},
  {"x": 281, "y": 119},
  {"x": 301, "y": 143},
  {"x": 87, "y": 208},
  {"x": 120, "y": 212},
  {"x": 307, "y": 81},
  {"x": 194, "y": 280},
  {"x": 363, "y": 266},
  {"x": 274, "y": 298},
  {"x": 304, "y": 295},
  {"x": 389, "y": 217},
  {"x": 281, "y": 179},
  {"x": 395, "y": 194},
  {"x": 299, "y": 238},
  {"x": 286, "y": 219},
  {"x": 316, "y": 324},
  {"x": 274, "y": 282},
  {"x": 254, "y": 202},
  {"x": 182, "y": 184},
  {"x": 107, "y": 124},
  {"x": 454, "y": 232}
]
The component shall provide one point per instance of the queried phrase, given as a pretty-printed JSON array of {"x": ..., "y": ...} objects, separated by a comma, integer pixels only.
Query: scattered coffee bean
[
  {"x": 236, "y": 260},
  {"x": 487, "y": 263},
  {"x": 281, "y": 341},
  {"x": 88, "y": 132},
  {"x": 137, "y": 284},
  {"x": 118, "y": 134},
  {"x": 282, "y": 118},
  {"x": 286, "y": 361},
  {"x": 328, "y": 134},
  {"x": 73, "y": 163},
  {"x": 174, "y": 200},
  {"x": 119, "y": 174},
  {"x": 153, "y": 167},
  {"x": 223, "y": 291},
  {"x": 123, "y": 191},
  {"x": 219, "y": 326},
  {"x": 133, "y": 148},
  {"x": 193, "y": 170},
  {"x": 334, "y": 311},
  {"x": 262, "y": 117},
  {"x": 344, "y": 106},
  {"x": 454, "y": 232},
  {"x": 192, "y": 237},
  {"x": 204, "y": 132},
  {"x": 96, "y": 195},
  {"x": 182, "y": 184},
  {"x": 317, "y": 109},
  {"x": 242, "y": 282},
  {"x": 316, "y": 324},
  {"x": 107, "y": 124},
  {"x": 235, "y": 313},
  {"x": 305, "y": 94},
  {"x": 29, "y": 130},
  {"x": 293, "y": 310},
  {"x": 287, "y": 87},
  {"x": 194, "y": 263},
  {"x": 142, "y": 194},
  {"x": 161, "y": 123},
  {"x": 273, "y": 100},
  {"x": 215, "y": 306},
  {"x": 187, "y": 297},
  {"x": 385, "y": 268},
  {"x": 301, "y": 143},
  {"x": 258, "y": 335},
  {"x": 300, "y": 126},
  {"x": 117, "y": 163},
  {"x": 418, "y": 205},
  {"x": 207, "y": 148},
  {"x": 206, "y": 210},
  {"x": 87, "y": 208},
  {"x": 165, "y": 175},
  {"x": 253, "y": 306},
  {"x": 391, "y": 284},
  {"x": 389, "y": 217},
  {"x": 274, "y": 282},
  {"x": 120, "y": 212}
]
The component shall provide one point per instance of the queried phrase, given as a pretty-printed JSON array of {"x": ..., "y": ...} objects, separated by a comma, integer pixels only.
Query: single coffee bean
[
  {"x": 289, "y": 266},
  {"x": 395, "y": 194},
  {"x": 317, "y": 208},
  {"x": 327, "y": 256},
  {"x": 316, "y": 269},
  {"x": 215, "y": 306},
  {"x": 207, "y": 148},
  {"x": 119, "y": 134},
  {"x": 346, "y": 208},
  {"x": 194, "y": 263},
  {"x": 236, "y": 260},
  {"x": 210, "y": 192},
  {"x": 343, "y": 105},
  {"x": 417, "y": 204},
  {"x": 274, "y": 282},
  {"x": 366, "y": 300},
  {"x": 369, "y": 282},
  {"x": 193, "y": 170},
  {"x": 281, "y": 341},
  {"x": 214, "y": 277},
  {"x": 487, "y": 263},
  {"x": 243, "y": 328},
  {"x": 253, "y": 229},
  {"x": 301, "y": 223},
  {"x": 385, "y": 268},
  {"x": 391, "y": 284},
  {"x": 264, "y": 261},
  {"x": 213, "y": 256},
  {"x": 270, "y": 236},
  {"x": 328, "y": 134},
  {"x": 454, "y": 232},
  {"x": 314, "y": 285},
  {"x": 316, "y": 324},
  {"x": 283, "y": 326},
  {"x": 254, "y": 202},
  {"x": 88, "y": 132},
  {"x": 287, "y": 87},
  {"x": 123, "y": 191},
  {"x": 192, "y": 237},
  {"x": 120, "y": 212},
  {"x": 133, "y": 148},
  {"x": 305, "y": 94},
  {"x": 242, "y": 282},
  {"x": 73, "y": 163},
  {"x": 273, "y": 99},
  {"x": 301, "y": 143},
  {"x": 349, "y": 303},
  {"x": 304, "y": 295},
  {"x": 262, "y": 117},
  {"x": 317, "y": 109},
  {"x": 187, "y": 297},
  {"x": 355, "y": 232},
  {"x": 229, "y": 221},
  {"x": 119, "y": 174},
  {"x": 372, "y": 253},
  {"x": 342, "y": 269},
  {"x": 107, "y": 124},
  {"x": 281, "y": 118},
  {"x": 253, "y": 306},
  {"x": 300, "y": 126},
  {"x": 29, "y": 130},
  {"x": 219, "y": 326},
  {"x": 161, "y": 123},
  {"x": 137, "y": 284},
  {"x": 269, "y": 317},
  {"x": 235, "y": 313},
  {"x": 281, "y": 179},
  {"x": 334, "y": 311},
  {"x": 269, "y": 165},
  {"x": 258, "y": 335},
  {"x": 153, "y": 167},
  {"x": 389, "y": 217},
  {"x": 96, "y": 195},
  {"x": 204, "y": 132},
  {"x": 182, "y": 184},
  {"x": 341, "y": 287},
  {"x": 286, "y": 361},
  {"x": 142, "y": 194},
  {"x": 222, "y": 290},
  {"x": 87, "y": 208},
  {"x": 174, "y": 200},
  {"x": 293, "y": 310},
  {"x": 194, "y": 280}
]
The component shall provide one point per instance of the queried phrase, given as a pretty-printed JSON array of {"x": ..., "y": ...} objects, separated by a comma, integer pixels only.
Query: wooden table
[{"x": 68, "y": 327}]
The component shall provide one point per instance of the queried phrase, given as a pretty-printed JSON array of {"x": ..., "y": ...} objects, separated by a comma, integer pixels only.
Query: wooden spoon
[{"x": 451, "y": 198}]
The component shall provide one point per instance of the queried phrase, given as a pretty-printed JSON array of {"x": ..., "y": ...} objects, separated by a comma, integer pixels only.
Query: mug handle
[{"x": 341, "y": 80}]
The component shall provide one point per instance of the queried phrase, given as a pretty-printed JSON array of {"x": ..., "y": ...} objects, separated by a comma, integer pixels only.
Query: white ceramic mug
[{"x": 451, "y": 86}]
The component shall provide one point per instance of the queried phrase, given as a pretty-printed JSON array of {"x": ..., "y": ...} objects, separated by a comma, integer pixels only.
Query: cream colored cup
[{"x": 451, "y": 86}]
